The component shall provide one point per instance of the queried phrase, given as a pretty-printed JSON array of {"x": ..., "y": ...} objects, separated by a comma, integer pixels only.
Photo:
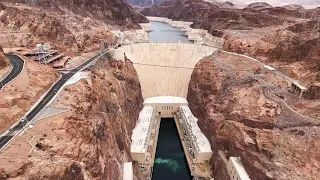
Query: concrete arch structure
[{"x": 164, "y": 69}]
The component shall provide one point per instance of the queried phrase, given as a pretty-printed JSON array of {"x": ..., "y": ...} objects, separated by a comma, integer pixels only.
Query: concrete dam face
[{"x": 164, "y": 69}]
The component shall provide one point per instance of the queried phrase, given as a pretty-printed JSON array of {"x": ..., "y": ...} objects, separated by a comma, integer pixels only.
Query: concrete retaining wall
[{"x": 164, "y": 69}]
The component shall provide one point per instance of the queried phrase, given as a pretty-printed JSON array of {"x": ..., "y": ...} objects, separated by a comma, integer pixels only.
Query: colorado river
[
  {"x": 170, "y": 161},
  {"x": 163, "y": 32}
]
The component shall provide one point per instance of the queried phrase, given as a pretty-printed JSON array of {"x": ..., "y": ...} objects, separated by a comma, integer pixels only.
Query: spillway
[{"x": 164, "y": 69}]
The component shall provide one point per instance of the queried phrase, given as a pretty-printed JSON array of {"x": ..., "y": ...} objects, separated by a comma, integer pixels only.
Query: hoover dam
[
  {"x": 167, "y": 142},
  {"x": 161, "y": 143},
  {"x": 164, "y": 69},
  {"x": 178, "y": 90}
]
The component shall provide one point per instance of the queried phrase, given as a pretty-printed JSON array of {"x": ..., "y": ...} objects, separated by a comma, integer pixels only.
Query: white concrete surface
[
  {"x": 49, "y": 111},
  {"x": 166, "y": 105},
  {"x": 165, "y": 100},
  {"x": 127, "y": 171},
  {"x": 236, "y": 170},
  {"x": 164, "y": 69},
  {"x": 140, "y": 133},
  {"x": 77, "y": 77}
]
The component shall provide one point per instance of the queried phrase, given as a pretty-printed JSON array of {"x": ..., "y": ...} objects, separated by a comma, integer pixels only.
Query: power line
[{"x": 180, "y": 67}]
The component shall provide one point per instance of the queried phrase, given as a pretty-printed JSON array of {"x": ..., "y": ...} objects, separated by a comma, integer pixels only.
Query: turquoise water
[
  {"x": 163, "y": 32},
  {"x": 170, "y": 162}
]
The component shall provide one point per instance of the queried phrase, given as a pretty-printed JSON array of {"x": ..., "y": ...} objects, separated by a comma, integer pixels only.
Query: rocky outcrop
[
  {"x": 299, "y": 43},
  {"x": 115, "y": 11},
  {"x": 258, "y": 6},
  {"x": 4, "y": 62},
  {"x": 238, "y": 118},
  {"x": 42, "y": 26},
  {"x": 103, "y": 120},
  {"x": 69, "y": 26},
  {"x": 93, "y": 140}
]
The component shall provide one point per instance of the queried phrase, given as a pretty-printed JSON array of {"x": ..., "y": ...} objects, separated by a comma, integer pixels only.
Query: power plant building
[
  {"x": 199, "y": 145},
  {"x": 143, "y": 135}
]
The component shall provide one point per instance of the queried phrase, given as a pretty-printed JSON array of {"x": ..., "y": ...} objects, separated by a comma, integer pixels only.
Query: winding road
[
  {"x": 17, "y": 66},
  {"x": 13, "y": 131}
]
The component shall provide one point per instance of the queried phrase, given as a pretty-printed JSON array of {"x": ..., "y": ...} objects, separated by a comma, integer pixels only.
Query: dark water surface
[
  {"x": 170, "y": 162},
  {"x": 163, "y": 32}
]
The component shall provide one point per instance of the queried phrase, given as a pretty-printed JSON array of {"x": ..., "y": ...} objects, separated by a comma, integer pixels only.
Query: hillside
[{"x": 69, "y": 26}]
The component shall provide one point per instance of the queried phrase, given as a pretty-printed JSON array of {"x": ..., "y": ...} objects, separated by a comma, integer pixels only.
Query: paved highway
[
  {"x": 51, "y": 93},
  {"x": 17, "y": 66}
]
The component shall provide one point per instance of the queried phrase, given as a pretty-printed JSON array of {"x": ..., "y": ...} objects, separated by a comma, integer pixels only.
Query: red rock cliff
[
  {"x": 69, "y": 26},
  {"x": 93, "y": 140},
  {"x": 237, "y": 117}
]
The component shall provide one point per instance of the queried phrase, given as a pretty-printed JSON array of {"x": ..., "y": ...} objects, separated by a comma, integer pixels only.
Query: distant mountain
[
  {"x": 221, "y": 4},
  {"x": 293, "y": 7},
  {"x": 308, "y": 4},
  {"x": 144, "y": 2},
  {"x": 259, "y": 6}
]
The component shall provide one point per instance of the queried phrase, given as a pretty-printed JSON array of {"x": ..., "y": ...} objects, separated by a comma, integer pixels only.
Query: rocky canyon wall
[
  {"x": 92, "y": 141},
  {"x": 69, "y": 26},
  {"x": 237, "y": 117}
]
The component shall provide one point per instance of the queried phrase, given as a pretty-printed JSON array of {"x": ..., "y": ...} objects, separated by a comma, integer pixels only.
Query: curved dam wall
[{"x": 164, "y": 69}]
